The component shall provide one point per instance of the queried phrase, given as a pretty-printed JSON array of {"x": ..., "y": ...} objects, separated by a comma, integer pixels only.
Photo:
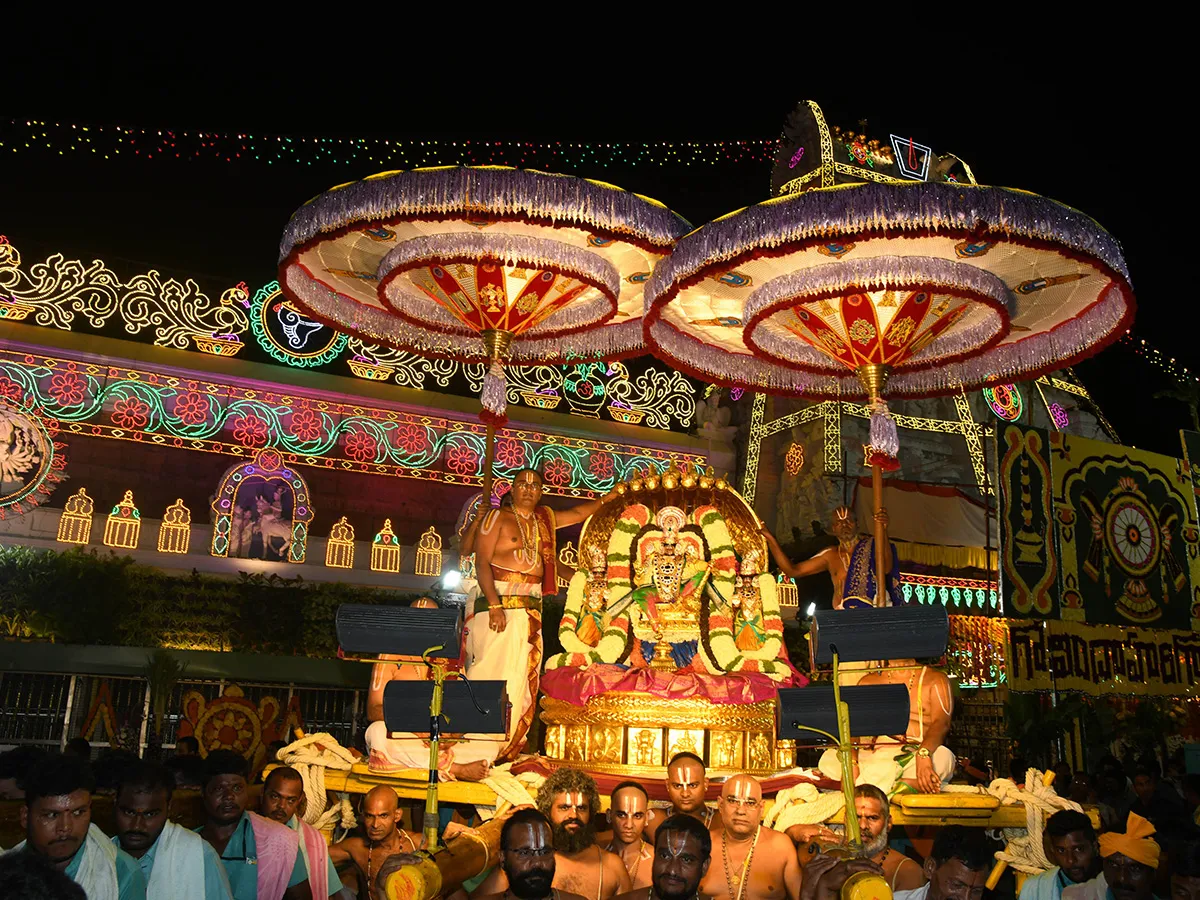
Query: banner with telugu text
[{"x": 1102, "y": 659}]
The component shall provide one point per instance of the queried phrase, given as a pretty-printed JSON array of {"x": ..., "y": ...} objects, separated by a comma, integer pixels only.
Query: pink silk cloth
[
  {"x": 577, "y": 686},
  {"x": 316, "y": 854},
  {"x": 276, "y": 846}
]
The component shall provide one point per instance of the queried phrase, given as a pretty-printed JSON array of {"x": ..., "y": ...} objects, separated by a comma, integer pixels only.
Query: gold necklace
[
  {"x": 741, "y": 879},
  {"x": 528, "y": 528},
  {"x": 637, "y": 862}
]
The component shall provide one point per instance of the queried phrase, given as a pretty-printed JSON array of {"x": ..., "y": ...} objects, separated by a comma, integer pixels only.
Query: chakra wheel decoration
[
  {"x": 905, "y": 289},
  {"x": 1005, "y": 401},
  {"x": 480, "y": 264}
]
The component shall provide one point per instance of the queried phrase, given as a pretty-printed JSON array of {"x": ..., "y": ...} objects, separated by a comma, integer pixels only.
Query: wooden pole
[{"x": 463, "y": 857}]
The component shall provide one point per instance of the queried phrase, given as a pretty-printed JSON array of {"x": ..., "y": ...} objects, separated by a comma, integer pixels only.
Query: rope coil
[{"x": 311, "y": 755}]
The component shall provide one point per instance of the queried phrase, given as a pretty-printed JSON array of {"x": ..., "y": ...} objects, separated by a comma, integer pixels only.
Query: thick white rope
[
  {"x": 311, "y": 762},
  {"x": 511, "y": 790},
  {"x": 803, "y": 804}
]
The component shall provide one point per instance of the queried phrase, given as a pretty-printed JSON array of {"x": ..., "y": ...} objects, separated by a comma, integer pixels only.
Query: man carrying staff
[
  {"x": 687, "y": 784},
  {"x": 57, "y": 818},
  {"x": 178, "y": 864},
  {"x": 751, "y": 862},
  {"x": 261, "y": 857},
  {"x": 682, "y": 855},
  {"x": 627, "y": 817},
  {"x": 282, "y": 798},
  {"x": 384, "y": 838},
  {"x": 516, "y": 563}
]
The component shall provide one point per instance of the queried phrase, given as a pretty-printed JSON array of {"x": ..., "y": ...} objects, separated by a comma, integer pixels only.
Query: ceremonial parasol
[
  {"x": 905, "y": 287},
  {"x": 480, "y": 264}
]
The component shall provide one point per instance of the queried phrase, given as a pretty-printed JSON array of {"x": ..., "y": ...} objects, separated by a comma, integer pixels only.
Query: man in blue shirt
[
  {"x": 262, "y": 858},
  {"x": 177, "y": 864},
  {"x": 57, "y": 818},
  {"x": 1073, "y": 847},
  {"x": 282, "y": 801}
]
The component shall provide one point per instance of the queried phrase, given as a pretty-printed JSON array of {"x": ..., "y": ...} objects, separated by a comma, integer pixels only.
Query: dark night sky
[{"x": 1087, "y": 130}]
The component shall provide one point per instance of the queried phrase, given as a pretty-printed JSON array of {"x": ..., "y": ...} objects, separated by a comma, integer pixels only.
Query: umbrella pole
[
  {"x": 489, "y": 456},
  {"x": 873, "y": 377}
]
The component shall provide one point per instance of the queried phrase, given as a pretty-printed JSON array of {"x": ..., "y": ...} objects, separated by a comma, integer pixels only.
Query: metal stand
[{"x": 431, "y": 820}]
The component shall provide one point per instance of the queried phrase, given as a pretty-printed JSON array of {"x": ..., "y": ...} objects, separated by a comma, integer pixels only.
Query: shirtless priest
[
  {"x": 749, "y": 862},
  {"x": 516, "y": 564}
]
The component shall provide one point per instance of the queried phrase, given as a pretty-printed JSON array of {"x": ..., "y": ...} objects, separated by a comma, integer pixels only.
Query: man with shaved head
[
  {"x": 283, "y": 800},
  {"x": 687, "y": 782},
  {"x": 362, "y": 857},
  {"x": 749, "y": 862}
]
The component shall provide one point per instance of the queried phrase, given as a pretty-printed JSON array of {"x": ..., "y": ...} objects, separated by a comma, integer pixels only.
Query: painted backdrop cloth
[
  {"x": 513, "y": 656},
  {"x": 577, "y": 686}
]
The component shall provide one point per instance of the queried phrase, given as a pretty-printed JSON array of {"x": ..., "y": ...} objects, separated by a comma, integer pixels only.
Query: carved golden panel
[
  {"x": 555, "y": 735},
  {"x": 785, "y": 754},
  {"x": 643, "y": 710},
  {"x": 645, "y": 746},
  {"x": 576, "y": 743},
  {"x": 685, "y": 740},
  {"x": 759, "y": 753},
  {"x": 725, "y": 749},
  {"x": 605, "y": 743}
]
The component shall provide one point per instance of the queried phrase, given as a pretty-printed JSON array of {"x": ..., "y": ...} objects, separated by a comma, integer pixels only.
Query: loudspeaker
[
  {"x": 402, "y": 630},
  {"x": 875, "y": 709},
  {"x": 888, "y": 632},
  {"x": 406, "y": 707}
]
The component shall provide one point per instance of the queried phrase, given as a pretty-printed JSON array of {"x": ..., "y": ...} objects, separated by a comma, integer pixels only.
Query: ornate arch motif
[{"x": 262, "y": 511}]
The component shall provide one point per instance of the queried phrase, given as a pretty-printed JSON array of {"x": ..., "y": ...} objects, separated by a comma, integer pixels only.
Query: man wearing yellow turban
[{"x": 1130, "y": 861}]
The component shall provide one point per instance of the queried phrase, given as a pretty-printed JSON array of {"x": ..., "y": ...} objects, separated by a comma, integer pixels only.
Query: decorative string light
[
  {"x": 385, "y": 550},
  {"x": 63, "y": 139},
  {"x": 339, "y": 550},
  {"x": 1159, "y": 359}
]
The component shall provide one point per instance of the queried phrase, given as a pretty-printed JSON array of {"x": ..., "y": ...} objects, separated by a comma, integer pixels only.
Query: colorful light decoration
[
  {"x": 144, "y": 405},
  {"x": 267, "y": 468},
  {"x": 793, "y": 460},
  {"x": 75, "y": 523},
  {"x": 975, "y": 655},
  {"x": 175, "y": 530},
  {"x": 385, "y": 550},
  {"x": 429, "y": 554},
  {"x": 123, "y": 527},
  {"x": 966, "y": 594},
  {"x": 153, "y": 145},
  {"x": 1005, "y": 401},
  {"x": 32, "y": 461},
  {"x": 58, "y": 288},
  {"x": 492, "y": 265},
  {"x": 339, "y": 549},
  {"x": 789, "y": 594},
  {"x": 896, "y": 288},
  {"x": 1059, "y": 416},
  {"x": 287, "y": 335}
]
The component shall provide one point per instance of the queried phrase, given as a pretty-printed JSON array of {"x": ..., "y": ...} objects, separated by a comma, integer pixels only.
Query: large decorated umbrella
[
  {"x": 480, "y": 264},
  {"x": 908, "y": 288}
]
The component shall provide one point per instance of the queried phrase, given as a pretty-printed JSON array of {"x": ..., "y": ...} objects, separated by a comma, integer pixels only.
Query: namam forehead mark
[
  {"x": 571, "y": 800},
  {"x": 629, "y": 800},
  {"x": 742, "y": 787},
  {"x": 686, "y": 772},
  {"x": 531, "y": 478},
  {"x": 676, "y": 844}
]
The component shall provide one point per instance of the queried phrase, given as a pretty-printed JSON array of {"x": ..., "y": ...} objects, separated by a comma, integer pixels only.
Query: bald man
[
  {"x": 465, "y": 760},
  {"x": 749, "y": 862},
  {"x": 359, "y": 859},
  {"x": 687, "y": 783}
]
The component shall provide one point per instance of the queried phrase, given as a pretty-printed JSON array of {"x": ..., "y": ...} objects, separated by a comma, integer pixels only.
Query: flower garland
[
  {"x": 577, "y": 654},
  {"x": 717, "y": 649}
]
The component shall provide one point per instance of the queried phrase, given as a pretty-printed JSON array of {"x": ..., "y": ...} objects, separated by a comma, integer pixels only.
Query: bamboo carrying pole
[{"x": 464, "y": 856}]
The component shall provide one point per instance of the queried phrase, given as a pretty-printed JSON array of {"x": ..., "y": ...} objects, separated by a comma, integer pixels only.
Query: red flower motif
[
  {"x": 250, "y": 431},
  {"x": 67, "y": 388},
  {"x": 510, "y": 453},
  {"x": 601, "y": 465},
  {"x": 411, "y": 438},
  {"x": 557, "y": 472},
  {"x": 360, "y": 446},
  {"x": 10, "y": 390},
  {"x": 191, "y": 408},
  {"x": 305, "y": 425},
  {"x": 131, "y": 413},
  {"x": 462, "y": 460}
]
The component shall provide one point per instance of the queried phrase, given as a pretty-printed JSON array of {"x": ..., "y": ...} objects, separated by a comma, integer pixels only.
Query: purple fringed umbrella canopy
[
  {"x": 480, "y": 264},
  {"x": 913, "y": 288}
]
